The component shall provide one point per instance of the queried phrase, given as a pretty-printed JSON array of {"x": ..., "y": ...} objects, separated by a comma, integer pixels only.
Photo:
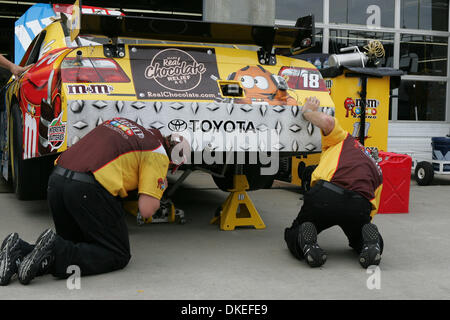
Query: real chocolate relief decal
[
  {"x": 176, "y": 70},
  {"x": 174, "y": 73}
]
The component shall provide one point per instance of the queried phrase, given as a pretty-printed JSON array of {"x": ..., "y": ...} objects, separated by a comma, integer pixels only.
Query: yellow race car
[{"x": 189, "y": 77}]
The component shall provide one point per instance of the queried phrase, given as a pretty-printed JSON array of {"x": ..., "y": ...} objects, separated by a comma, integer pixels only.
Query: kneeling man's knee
[{"x": 122, "y": 261}]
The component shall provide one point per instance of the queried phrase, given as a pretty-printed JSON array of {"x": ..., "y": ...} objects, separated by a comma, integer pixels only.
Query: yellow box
[{"x": 344, "y": 92}]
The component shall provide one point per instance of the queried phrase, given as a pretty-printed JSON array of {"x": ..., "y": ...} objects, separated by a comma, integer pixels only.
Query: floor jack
[
  {"x": 238, "y": 210},
  {"x": 167, "y": 213}
]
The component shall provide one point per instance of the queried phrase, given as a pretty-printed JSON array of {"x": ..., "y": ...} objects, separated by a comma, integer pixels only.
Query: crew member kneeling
[
  {"x": 346, "y": 189},
  {"x": 84, "y": 193}
]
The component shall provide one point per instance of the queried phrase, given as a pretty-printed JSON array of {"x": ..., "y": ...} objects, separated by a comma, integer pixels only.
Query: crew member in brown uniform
[
  {"x": 346, "y": 189},
  {"x": 84, "y": 194}
]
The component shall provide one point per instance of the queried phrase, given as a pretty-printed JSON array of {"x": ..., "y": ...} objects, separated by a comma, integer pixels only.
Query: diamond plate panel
[
  {"x": 278, "y": 109},
  {"x": 310, "y": 128},
  {"x": 212, "y": 106},
  {"x": 176, "y": 106},
  {"x": 294, "y": 133},
  {"x": 278, "y": 127},
  {"x": 100, "y": 104},
  {"x": 80, "y": 125},
  {"x": 246, "y": 108},
  {"x": 295, "y": 128},
  {"x": 263, "y": 110},
  {"x": 157, "y": 125},
  {"x": 230, "y": 108},
  {"x": 194, "y": 107},
  {"x": 294, "y": 110},
  {"x": 119, "y": 106},
  {"x": 138, "y": 105},
  {"x": 77, "y": 106},
  {"x": 278, "y": 146},
  {"x": 262, "y": 127},
  {"x": 158, "y": 106}
]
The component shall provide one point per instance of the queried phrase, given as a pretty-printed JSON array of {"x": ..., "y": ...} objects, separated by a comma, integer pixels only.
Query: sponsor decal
[
  {"x": 369, "y": 153},
  {"x": 357, "y": 129},
  {"x": 31, "y": 109},
  {"x": 126, "y": 127},
  {"x": 349, "y": 105},
  {"x": 177, "y": 125},
  {"x": 174, "y": 72},
  {"x": 261, "y": 86},
  {"x": 221, "y": 125},
  {"x": 329, "y": 85},
  {"x": 303, "y": 78},
  {"x": 161, "y": 184},
  {"x": 56, "y": 133},
  {"x": 353, "y": 108},
  {"x": 30, "y": 136},
  {"x": 89, "y": 89},
  {"x": 175, "y": 69}
]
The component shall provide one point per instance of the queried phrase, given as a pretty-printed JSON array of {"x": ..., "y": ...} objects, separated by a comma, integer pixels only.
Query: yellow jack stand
[{"x": 229, "y": 217}]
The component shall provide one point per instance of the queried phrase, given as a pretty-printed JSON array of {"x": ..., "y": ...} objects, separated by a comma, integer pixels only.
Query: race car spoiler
[{"x": 299, "y": 37}]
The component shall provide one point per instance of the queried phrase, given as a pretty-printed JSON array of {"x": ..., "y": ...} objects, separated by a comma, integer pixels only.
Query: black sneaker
[
  {"x": 8, "y": 239},
  {"x": 38, "y": 261},
  {"x": 313, "y": 254},
  {"x": 10, "y": 258},
  {"x": 371, "y": 251}
]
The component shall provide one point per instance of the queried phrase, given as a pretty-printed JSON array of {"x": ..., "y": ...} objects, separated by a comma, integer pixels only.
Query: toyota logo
[{"x": 177, "y": 125}]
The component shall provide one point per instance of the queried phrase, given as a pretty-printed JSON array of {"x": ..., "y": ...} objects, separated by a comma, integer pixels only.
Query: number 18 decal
[
  {"x": 310, "y": 80},
  {"x": 303, "y": 78}
]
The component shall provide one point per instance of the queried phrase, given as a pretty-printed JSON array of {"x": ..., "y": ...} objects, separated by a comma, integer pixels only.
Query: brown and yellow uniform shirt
[
  {"x": 345, "y": 163},
  {"x": 123, "y": 156}
]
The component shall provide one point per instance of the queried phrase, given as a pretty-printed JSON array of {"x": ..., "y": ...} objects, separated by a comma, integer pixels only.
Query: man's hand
[
  {"x": 148, "y": 205},
  {"x": 311, "y": 103},
  {"x": 12, "y": 67},
  {"x": 320, "y": 119},
  {"x": 18, "y": 70}
]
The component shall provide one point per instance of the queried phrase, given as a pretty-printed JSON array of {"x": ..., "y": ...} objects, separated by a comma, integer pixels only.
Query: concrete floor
[{"x": 198, "y": 261}]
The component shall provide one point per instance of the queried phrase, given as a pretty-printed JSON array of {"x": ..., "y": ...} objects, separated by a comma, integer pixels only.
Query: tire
[
  {"x": 30, "y": 177},
  {"x": 255, "y": 180},
  {"x": 424, "y": 173}
]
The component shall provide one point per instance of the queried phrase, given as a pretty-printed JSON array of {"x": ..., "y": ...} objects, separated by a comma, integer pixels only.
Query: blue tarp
[{"x": 28, "y": 26}]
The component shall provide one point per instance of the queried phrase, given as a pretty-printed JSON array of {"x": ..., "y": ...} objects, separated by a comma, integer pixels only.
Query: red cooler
[{"x": 396, "y": 182}]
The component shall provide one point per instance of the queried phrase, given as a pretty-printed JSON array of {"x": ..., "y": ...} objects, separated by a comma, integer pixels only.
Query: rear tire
[
  {"x": 255, "y": 180},
  {"x": 424, "y": 173},
  {"x": 30, "y": 177}
]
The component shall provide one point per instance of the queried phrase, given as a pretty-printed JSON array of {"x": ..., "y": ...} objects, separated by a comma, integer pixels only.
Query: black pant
[
  {"x": 91, "y": 228},
  {"x": 326, "y": 208}
]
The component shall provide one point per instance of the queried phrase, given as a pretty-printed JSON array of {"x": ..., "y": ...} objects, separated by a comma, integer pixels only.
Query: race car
[{"x": 189, "y": 77}]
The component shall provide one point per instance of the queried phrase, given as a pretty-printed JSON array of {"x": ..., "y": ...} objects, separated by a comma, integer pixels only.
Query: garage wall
[{"x": 414, "y": 138}]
